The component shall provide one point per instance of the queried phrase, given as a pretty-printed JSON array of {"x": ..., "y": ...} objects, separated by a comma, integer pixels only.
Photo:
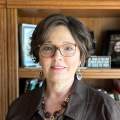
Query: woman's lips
[{"x": 58, "y": 67}]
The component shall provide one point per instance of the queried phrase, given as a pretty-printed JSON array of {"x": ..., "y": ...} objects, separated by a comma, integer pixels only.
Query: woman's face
[
  {"x": 58, "y": 67},
  {"x": 117, "y": 47}
]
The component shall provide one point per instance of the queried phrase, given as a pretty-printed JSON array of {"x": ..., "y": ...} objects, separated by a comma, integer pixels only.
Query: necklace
[{"x": 53, "y": 116}]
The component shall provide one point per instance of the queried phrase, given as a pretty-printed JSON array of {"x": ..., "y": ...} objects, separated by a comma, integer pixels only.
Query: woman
[
  {"x": 115, "y": 54},
  {"x": 61, "y": 44}
]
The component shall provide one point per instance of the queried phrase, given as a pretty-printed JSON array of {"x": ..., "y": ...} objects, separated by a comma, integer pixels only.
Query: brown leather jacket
[{"x": 85, "y": 104}]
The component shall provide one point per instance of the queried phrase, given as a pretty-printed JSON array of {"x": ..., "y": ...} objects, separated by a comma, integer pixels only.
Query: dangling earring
[
  {"x": 41, "y": 75},
  {"x": 78, "y": 74}
]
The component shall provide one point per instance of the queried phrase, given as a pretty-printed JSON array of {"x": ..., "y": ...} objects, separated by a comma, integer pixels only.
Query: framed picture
[
  {"x": 26, "y": 59},
  {"x": 99, "y": 62},
  {"x": 114, "y": 48}
]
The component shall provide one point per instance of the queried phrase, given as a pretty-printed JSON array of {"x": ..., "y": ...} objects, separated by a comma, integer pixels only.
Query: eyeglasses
[{"x": 66, "y": 50}]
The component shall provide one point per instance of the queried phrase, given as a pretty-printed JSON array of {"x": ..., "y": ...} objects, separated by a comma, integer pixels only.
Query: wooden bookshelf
[
  {"x": 86, "y": 73},
  {"x": 2, "y": 3},
  {"x": 3, "y": 61},
  {"x": 64, "y": 4},
  {"x": 98, "y": 15}
]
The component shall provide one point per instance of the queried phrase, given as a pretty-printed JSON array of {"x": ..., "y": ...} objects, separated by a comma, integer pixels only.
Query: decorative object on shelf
[
  {"x": 111, "y": 47},
  {"x": 93, "y": 52},
  {"x": 99, "y": 62},
  {"x": 116, "y": 89},
  {"x": 116, "y": 95},
  {"x": 114, "y": 48},
  {"x": 25, "y": 32},
  {"x": 32, "y": 84},
  {"x": 29, "y": 84}
]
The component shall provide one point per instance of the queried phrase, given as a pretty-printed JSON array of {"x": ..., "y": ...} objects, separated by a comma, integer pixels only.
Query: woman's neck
[
  {"x": 56, "y": 94},
  {"x": 60, "y": 90}
]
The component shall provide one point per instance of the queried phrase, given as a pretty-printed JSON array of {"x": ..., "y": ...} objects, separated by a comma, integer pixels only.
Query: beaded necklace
[{"x": 53, "y": 116}]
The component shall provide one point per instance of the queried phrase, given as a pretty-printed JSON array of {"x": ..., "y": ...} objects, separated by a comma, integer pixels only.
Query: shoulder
[
  {"x": 108, "y": 106},
  {"x": 99, "y": 95},
  {"x": 24, "y": 105}
]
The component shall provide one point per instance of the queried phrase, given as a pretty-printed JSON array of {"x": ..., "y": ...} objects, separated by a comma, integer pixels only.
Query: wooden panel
[
  {"x": 101, "y": 73},
  {"x": 3, "y": 65},
  {"x": 64, "y": 4},
  {"x": 12, "y": 54},
  {"x": 86, "y": 73},
  {"x": 2, "y": 3},
  {"x": 74, "y": 12}
]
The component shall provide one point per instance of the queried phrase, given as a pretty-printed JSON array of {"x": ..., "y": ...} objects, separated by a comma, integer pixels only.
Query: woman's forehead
[{"x": 60, "y": 34}]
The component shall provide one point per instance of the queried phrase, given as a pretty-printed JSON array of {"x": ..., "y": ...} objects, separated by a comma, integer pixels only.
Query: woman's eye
[
  {"x": 68, "y": 48},
  {"x": 47, "y": 48}
]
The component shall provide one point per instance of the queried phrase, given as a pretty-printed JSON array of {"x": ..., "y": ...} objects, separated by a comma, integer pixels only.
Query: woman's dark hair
[{"x": 79, "y": 32}]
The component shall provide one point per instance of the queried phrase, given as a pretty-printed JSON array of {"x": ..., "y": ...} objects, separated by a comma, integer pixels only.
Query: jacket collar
[
  {"x": 76, "y": 106},
  {"x": 27, "y": 104}
]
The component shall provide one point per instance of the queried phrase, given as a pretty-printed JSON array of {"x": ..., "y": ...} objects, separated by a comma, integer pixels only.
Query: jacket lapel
[{"x": 77, "y": 104}]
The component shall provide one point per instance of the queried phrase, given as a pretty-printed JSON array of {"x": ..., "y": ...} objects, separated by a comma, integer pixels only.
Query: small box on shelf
[{"x": 99, "y": 62}]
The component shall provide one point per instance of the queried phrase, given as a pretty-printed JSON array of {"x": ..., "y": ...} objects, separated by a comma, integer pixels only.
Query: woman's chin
[{"x": 57, "y": 78}]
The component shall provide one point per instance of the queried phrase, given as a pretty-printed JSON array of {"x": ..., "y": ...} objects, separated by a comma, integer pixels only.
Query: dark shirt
[{"x": 85, "y": 103}]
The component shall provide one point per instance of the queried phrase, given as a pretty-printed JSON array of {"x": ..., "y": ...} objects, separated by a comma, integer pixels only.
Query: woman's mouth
[{"x": 58, "y": 68}]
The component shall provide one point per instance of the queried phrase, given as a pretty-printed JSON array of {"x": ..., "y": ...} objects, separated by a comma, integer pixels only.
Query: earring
[
  {"x": 78, "y": 74},
  {"x": 41, "y": 75}
]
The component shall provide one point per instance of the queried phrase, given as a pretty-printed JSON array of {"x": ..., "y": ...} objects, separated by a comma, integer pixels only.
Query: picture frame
[
  {"x": 25, "y": 32},
  {"x": 114, "y": 48}
]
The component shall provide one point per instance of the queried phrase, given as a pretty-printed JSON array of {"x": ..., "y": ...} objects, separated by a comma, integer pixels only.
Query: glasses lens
[
  {"x": 47, "y": 50},
  {"x": 68, "y": 49}
]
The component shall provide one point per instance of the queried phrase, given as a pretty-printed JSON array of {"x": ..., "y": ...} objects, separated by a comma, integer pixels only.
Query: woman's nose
[{"x": 57, "y": 54}]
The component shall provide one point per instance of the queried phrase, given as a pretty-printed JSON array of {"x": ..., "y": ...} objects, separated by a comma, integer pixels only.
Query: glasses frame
[{"x": 57, "y": 48}]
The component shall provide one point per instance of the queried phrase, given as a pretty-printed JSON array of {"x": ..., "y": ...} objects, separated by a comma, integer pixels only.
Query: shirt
[{"x": 86, "y": 103}]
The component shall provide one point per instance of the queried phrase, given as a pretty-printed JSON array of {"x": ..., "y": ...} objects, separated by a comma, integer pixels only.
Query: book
[
  {"x": 25, "y": 33},
  {"x": 32, "y": 84},
  {"x": 116, "y": 89},
  {"x": 29, "y": 84}
]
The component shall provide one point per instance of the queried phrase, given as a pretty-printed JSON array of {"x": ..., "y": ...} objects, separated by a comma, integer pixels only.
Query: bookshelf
[
  {"x": 86, "y": 73},
  {"x": 3, "y": 61},
  {"x": 97, "y": 15}
]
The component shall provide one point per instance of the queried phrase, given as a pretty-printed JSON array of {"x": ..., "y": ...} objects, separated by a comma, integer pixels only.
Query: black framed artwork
[{"x": 114, "y": 48}]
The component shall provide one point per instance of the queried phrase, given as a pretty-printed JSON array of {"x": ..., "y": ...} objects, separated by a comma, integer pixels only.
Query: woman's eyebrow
[
  {"x": 47, "y": 42},
  {"x": 64, "y": 42}
]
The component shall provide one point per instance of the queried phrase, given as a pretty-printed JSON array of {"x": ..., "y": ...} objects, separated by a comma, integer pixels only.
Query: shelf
[
  {"x": 64, "y": 4},
  {"x": 86, "y": 73},
  {"x": 74, "y": 12},
  {"x": 84, "y": 8}
]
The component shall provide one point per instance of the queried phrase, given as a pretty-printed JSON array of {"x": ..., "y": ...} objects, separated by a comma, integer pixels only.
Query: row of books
[
  {"x": 109, "y": 57},
  {"x": 113, "y": 94}
]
